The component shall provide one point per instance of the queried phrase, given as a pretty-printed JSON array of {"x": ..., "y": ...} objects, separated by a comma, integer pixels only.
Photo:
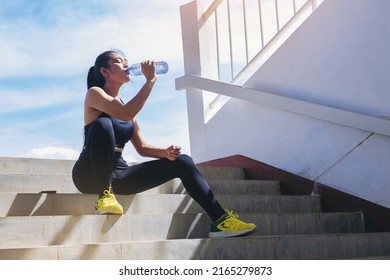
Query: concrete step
[
  {"x": 283, "y": 247},
  {"x": 33, "y": 183},
  {"x": 222, "y": 173},
  {"x": 249, "y": 187},
  {"x": 89, "y": 229},
  {"x": 256, "y": 187},
  {"x": 83, "y": 204},
  {"x": 35, "y": 166},
  {"x": 38, "y": 175},
  {"x": 30, "y": 166}
]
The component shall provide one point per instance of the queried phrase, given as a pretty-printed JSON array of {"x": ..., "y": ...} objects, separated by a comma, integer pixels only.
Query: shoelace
[
  {"x": 231, "y": 214},
  {"x": 233, "y": 221},
  {"x": 109, "y": 195}
]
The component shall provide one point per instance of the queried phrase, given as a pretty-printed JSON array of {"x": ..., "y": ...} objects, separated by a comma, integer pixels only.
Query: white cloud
[{"x": 53, "y": 153}]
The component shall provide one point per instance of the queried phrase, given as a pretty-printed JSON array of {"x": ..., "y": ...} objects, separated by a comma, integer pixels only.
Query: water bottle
[{"x": 136, "y": 70}]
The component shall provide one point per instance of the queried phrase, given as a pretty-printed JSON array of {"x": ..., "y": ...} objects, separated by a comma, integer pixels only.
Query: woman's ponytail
[{"x": 95, "y": 78}]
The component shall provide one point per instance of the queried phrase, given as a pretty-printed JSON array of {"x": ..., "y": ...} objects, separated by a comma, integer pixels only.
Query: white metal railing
[
  {"x": 247, "y": 33},
  {"x": 247, "y": 39},
  {"x": 220, "y": 91},
  {"x": 322, "y": 112}
]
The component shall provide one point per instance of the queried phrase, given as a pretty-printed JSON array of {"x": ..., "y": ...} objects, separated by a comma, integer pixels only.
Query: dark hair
[{"x": 95, "y": 78}]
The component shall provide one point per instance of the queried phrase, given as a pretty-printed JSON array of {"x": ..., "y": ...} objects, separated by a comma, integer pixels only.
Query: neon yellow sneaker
[
  {"x": 107, "y": 204},
  {"x": 231, "y": 226}
]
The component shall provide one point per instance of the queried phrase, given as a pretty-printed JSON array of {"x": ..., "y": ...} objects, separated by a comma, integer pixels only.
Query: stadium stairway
[{"x": 43, "y": 216}]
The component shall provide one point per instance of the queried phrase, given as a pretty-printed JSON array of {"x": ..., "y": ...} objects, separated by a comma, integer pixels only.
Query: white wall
[{"x": 339, "y": 57}]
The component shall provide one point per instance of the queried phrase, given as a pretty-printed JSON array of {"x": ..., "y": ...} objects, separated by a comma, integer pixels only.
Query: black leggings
[{"x": 99, "y": 167}]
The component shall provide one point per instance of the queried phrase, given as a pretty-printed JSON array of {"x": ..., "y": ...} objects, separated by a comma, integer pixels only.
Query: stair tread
[
  {"x": 20, "y": 166},
  {"x": 36, "y": 183},
  {"x": 74, "y": 204},
  {"x": 321, "y": 246},
  {"x": 84, "y": 229}
]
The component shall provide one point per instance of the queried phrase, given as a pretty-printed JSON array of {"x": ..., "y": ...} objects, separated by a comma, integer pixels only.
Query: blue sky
[{"x": 46, "y": 49}]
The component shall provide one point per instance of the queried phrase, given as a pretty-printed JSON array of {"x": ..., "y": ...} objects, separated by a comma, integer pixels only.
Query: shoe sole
[
  {"x": 109, "y": 211},
  {"x": 221, "y": 234}
]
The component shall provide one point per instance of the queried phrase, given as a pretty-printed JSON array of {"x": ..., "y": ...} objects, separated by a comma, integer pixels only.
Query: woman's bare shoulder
[{"x": 95, "y": 90}]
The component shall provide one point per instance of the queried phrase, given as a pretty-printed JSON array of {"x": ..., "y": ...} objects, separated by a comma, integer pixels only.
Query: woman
[{"x": 110, "y": 124}]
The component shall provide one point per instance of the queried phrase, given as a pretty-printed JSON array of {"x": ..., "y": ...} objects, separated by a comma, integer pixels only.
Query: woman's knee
[
  {"x": 100, "y": 137},
  {"x": 101, "y": 132},
  {"x": 102, "y": 125},
  {"x": 186, "y": 160}
]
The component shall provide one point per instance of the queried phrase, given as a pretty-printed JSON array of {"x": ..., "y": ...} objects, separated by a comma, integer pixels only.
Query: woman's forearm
[{"x": 152, "y": 151}]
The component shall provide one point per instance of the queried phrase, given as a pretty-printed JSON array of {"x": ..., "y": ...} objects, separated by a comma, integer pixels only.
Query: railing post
[
  {"x": 277, "y": 15},
  {"x": 210, "y": 10},
  {"x": 200, "y": 58},
  {"x": 314, "y": 4},
  {"x": 261, "y": 25}
]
